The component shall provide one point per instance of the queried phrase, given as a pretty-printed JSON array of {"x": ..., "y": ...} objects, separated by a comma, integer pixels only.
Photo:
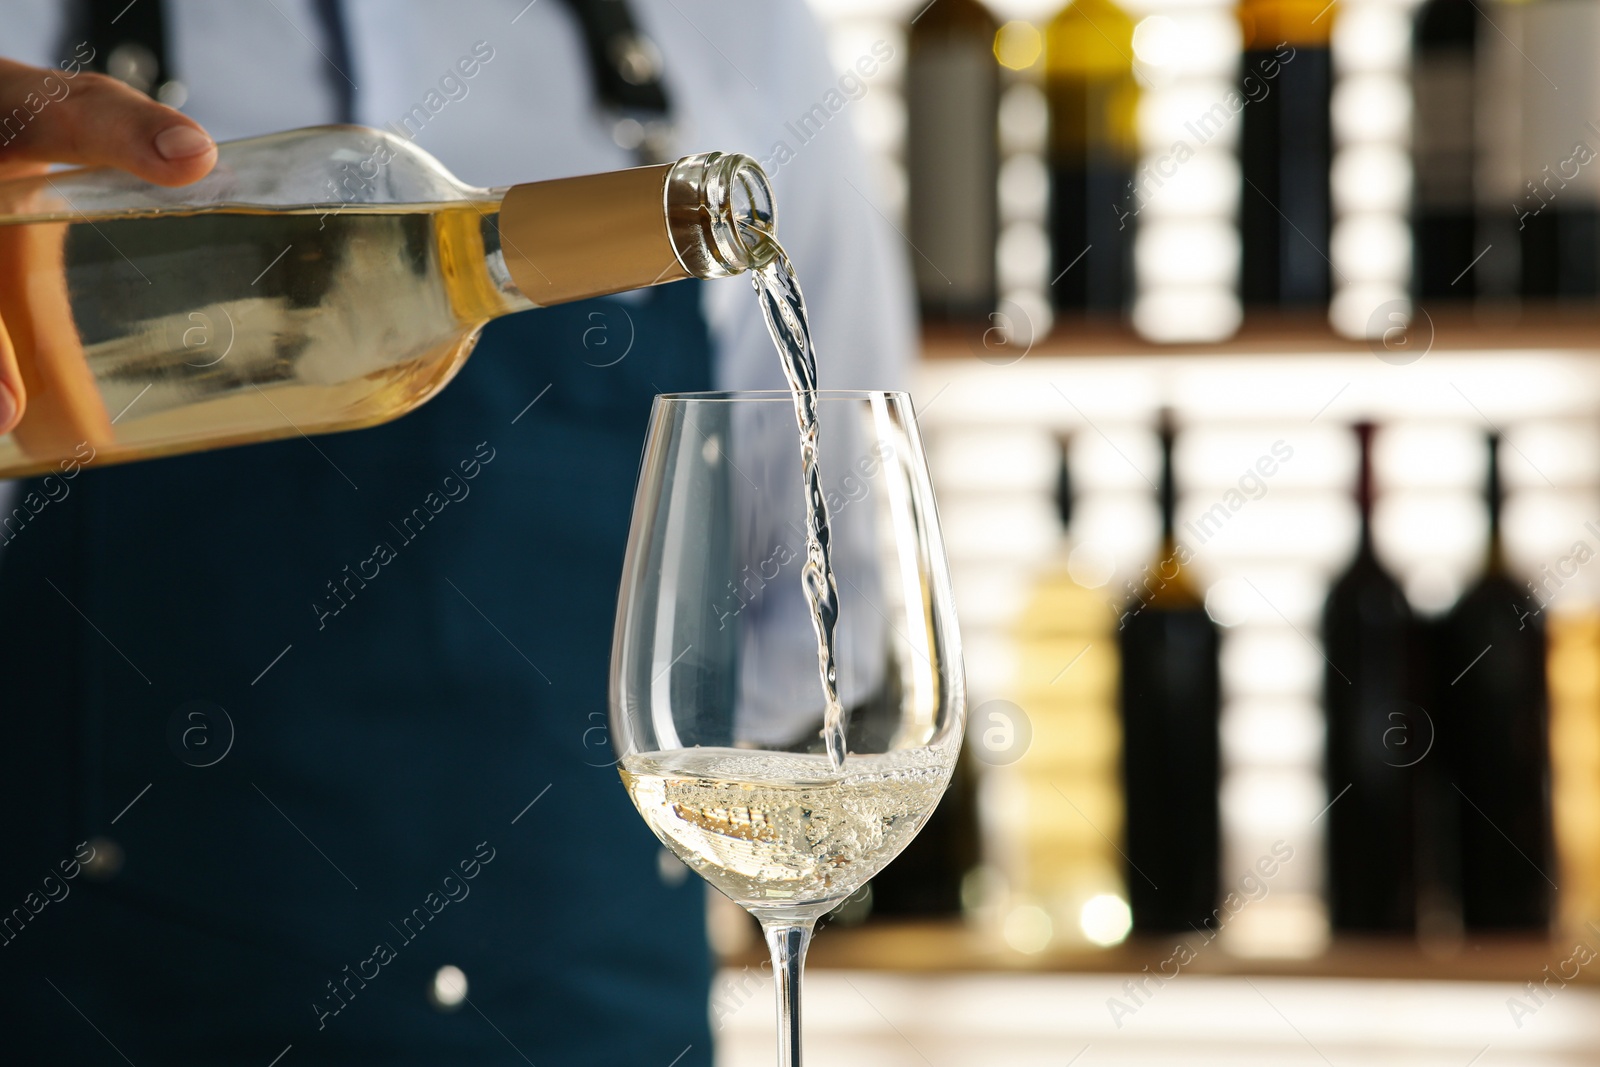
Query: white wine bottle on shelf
[{"x": 317, "y": 280}]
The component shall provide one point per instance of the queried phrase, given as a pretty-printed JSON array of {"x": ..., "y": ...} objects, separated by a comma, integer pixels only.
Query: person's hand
[{"x": 94, "y": 121}]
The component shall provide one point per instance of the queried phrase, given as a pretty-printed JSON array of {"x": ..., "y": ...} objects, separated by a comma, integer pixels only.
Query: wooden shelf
[
  {"x": 950, "y": 947},
  {"x": 1459, "y": 329}
]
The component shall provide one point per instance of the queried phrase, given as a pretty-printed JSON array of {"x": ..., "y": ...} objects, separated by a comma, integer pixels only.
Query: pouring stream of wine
[{"x": 784, "y": 309}]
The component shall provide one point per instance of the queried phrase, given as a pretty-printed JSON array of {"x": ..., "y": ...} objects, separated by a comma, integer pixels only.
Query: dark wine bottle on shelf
[
  {"x": 1285, "y": 150},
  {"x": 1374, "y": 724},
  {"x": 1497, "y": 178},
  {"x": 1093, "y": 149},
  {"x": 1559, "y": 210},
  {"x": 1170, "y": 762},
  {"x": 1494, "y": 724},
  {"x": 925, "y": 880},
  {"x": 1443, "y": 70},
  {"x": 952, "y": 158}
]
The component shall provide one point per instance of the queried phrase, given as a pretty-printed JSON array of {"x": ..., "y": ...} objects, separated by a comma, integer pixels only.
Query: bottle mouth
[{"x": 720, "y": 214}]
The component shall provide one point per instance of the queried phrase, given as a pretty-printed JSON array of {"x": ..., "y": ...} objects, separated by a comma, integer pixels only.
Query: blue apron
[{"x": 338, "y": 708}]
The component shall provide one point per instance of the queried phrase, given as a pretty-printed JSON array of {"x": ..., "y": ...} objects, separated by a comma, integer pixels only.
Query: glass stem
[{"x": 788, "y": 941}]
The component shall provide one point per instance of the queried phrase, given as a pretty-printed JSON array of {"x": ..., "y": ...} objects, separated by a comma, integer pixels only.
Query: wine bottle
[
  {"x": 1494, "y": 726},
  {"x": 1170, "y": 759},
  {"x": 1497, "y": 178},
  {"x": 316, "y": 280},
  {"x": 925, "y": 881},
  {"x": 1574, "y": 682},
  {"x": 1370, "y": 685},
  {"x": 1443, "y": 70},
  {"x": 1285, "y": 149},
  {"x": 1559, "y": 206},
  {"x": 1055, "y": 848},
  {"x": 1093, "y": 148},
  {"x": 952, "y": 158}
]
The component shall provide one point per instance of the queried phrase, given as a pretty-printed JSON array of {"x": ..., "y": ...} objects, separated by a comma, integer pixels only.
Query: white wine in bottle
[{"x": 317, "y": 280}]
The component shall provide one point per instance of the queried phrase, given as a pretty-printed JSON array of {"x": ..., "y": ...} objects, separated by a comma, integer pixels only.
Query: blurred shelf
[
  {"x": 951, "y": 947},
  {"x": 1530, "y": 325}
]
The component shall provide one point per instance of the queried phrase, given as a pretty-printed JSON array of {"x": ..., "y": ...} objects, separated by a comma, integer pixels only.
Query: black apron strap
[
  {"x": 130, "y": 43},
  {"x": 340, "y": 77},
  {"x": 626, "y": 68}
]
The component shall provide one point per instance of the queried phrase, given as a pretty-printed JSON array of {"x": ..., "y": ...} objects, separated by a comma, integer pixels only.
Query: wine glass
[{"x": 717, "y": 701}]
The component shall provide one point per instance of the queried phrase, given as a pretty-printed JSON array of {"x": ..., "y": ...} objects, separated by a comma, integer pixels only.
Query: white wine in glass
[{"x": 716, "y": 703}]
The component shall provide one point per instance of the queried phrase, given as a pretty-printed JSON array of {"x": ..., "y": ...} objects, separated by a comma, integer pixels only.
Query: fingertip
[
  {"x": 187, "y": 154},
  {"x": 12, "y": 395},
  {"x": 182, "y": 142},
  {"x": 182, "y": 172},
  {"x": 10, "y": 409}
]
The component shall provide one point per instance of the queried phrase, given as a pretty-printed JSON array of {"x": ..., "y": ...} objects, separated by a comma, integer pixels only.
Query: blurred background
[{"x": 1260, "y": 390}]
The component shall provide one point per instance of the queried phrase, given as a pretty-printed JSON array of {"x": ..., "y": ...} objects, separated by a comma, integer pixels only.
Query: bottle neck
[
  {"x": 1494, "y": 498},
  {"x": 1169, "y": 489},
  {"x": 1172, "y": 587},
  {"x": 598, "y": 234},
  {"x": 1063, "y": 487},
  {"x": 574, "y": 238},
  {"x": 1365, "y": 493}
]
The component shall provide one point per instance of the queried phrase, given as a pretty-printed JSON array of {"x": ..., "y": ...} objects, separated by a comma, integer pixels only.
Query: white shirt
[
  {"x": 739, "y": 75},
  {"x": 735, "y": 71}
]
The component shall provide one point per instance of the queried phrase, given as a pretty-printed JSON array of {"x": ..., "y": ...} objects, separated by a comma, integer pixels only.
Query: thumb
[
  {"x": 11, "y": 393},
  {"x": 92, "y": 120}
]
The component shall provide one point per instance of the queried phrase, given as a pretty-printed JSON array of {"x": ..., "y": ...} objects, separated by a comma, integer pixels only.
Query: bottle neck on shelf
[
  {"x": 1172, "y": 588},
  {"x": 1168, "y": 499},
  {"x": 1365, "y": 493},
  {"x": 1494, "y": 500}
]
